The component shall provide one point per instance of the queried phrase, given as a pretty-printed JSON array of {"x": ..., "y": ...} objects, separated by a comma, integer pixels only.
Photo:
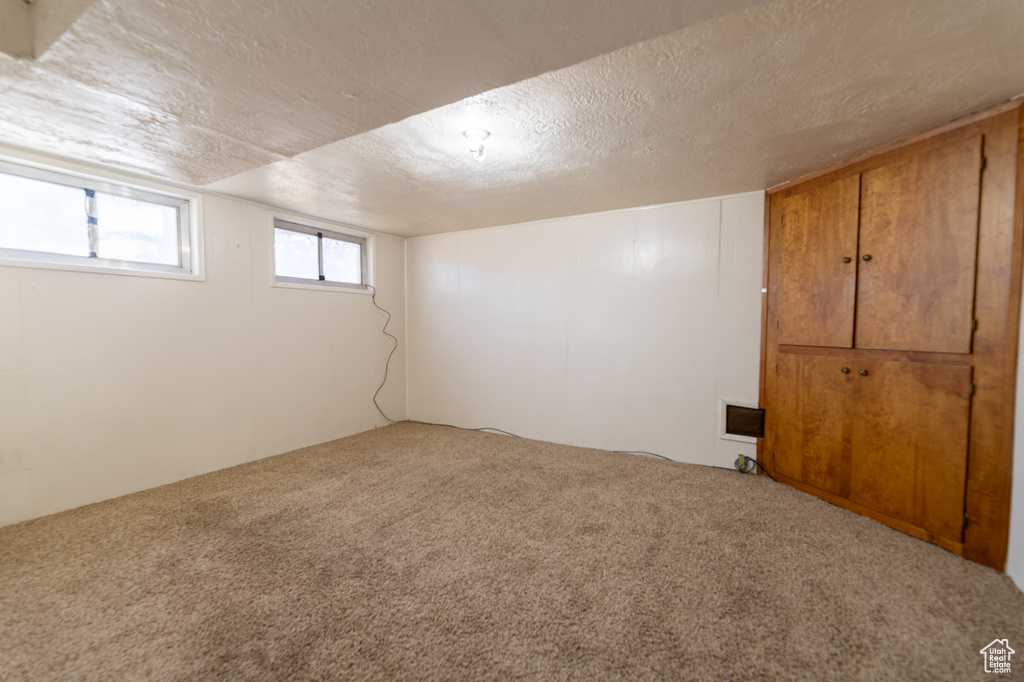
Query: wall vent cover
[{"x": 744, "y": 421}]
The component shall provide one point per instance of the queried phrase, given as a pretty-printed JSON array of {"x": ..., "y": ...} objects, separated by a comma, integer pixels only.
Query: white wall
[
  {"x": 112, "y": 384},
  {"x": 1015, "y": 558},
  {"x": 616, "y": 330}
]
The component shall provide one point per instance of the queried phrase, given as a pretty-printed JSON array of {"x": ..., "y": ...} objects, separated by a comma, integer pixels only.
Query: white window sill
[
  {"x": 99, "y": 269},
  {"x": 320, "y": 287}
]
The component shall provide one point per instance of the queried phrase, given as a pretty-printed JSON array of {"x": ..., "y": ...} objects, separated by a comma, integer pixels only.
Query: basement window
[
  {"x": 64, "y": 221},
  {"x": 313, "y": 256}
]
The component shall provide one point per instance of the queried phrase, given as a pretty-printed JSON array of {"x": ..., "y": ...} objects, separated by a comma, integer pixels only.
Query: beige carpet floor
[{"x": 427, "y": 553}]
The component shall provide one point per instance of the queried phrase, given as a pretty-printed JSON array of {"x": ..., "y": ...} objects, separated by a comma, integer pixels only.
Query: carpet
[{"x": 418, "y": 552}]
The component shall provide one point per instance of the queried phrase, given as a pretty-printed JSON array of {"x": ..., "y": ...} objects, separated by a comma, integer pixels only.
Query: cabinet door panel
[
  {"x": 919, "y": 226},
  {"x": 816, "y": 288},
  {"x": 809, "y": 426},
  {"x": 909, "y": 457}
]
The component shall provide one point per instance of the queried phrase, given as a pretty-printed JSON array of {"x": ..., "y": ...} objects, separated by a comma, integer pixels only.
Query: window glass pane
[
  {"x": 295, "y": 254},
  {"x": 129, "y": 229},
  {"x": 43, "y": 216},
  {"x": 342, "y": 261}
]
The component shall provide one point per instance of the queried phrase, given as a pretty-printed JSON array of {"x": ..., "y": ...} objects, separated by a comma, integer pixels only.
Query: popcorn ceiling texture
[
  {"x": 354, "y": 111},
  {"x": 195, "y": 91},
  {"x": 739, "y": 103},
  {"x": 419, "y": 552}
]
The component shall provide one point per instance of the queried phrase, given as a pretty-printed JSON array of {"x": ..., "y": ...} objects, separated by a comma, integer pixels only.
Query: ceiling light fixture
[{"x": 476, "y": 137}]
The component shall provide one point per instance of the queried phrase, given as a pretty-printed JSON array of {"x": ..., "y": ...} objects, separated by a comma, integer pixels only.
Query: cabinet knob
[
  {"x": 846, "y": 259},
  {"x": 845, "y": 370},
  {"x": 863, "y": 372},
  {"x": 866, "y": 256}
]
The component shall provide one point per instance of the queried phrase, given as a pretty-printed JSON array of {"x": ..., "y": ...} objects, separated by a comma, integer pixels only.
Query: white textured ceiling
[
  {"x": 354, "y": 111},
  {"x": 197, "y": 91}
]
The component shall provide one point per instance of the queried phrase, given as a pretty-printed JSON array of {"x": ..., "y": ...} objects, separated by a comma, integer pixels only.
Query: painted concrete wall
[
  {"x": 617, "y": 330},
  {"x": 112, "y": 384}
]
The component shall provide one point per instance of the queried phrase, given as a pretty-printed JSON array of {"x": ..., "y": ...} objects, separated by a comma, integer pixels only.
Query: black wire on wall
[{"x": 387, "y": 365}]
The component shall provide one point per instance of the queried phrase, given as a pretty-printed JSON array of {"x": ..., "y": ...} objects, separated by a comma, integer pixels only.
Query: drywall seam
[
  {"x": 434, "y": 393},
  {"x": 718, "y": 321},
  {"x": 405, "y": 318}
]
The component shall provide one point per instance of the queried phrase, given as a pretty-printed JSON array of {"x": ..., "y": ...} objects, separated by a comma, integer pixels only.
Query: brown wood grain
[
  {"x": 899, "y": 525},
  {"x": 871, "y": 354},
  {"x": 771, "y": 328},
  {"x": 931, "y": 142},
  {"x": 995, "y": 345},
  {"x": 919, "y": 228},
  {"x": 909, "y": 439},
  {"x": 816, "y": 287},
  {"x": 993, "y": 350},
  {"x": 811, "y": 429},
  {"x": 764, "y": 319},
  {"x": 863, "y": 161}
]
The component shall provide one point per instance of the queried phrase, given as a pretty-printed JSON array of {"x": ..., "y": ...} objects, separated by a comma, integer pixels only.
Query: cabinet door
[
  {"x": 909, "y": 457},
  {"x": 816, "y": 287},
  {"x": 808, "y": 428},
  {"x": 918, "y": 246}
]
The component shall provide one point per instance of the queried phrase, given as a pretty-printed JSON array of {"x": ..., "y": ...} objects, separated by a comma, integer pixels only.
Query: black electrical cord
[
  {"x": 464, "y": 428},
  {"x": 387, "y": 364},
  {"x": 763, "y": 471},
  {"x": 643, "y": 452},
  {"x": 757, "y": 465}
]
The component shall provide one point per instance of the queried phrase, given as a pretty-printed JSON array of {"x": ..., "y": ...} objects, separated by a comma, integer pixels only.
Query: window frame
[
  {"x": 187, "y": 205},
  {"x": 350, "y": 236}
]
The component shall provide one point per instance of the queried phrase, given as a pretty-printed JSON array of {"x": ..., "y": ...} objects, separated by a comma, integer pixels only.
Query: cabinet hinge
[
  {"x": 984, "y": 163},
  {"x": 974, "y": 387},
  {"x": 965, "y": 521},
  {"x": 974, "y": 325}
]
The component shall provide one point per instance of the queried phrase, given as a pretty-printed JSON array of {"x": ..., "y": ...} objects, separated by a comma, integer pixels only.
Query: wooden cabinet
[
  {"x": 909, "y": 436},
  {"x": 893, "y": 249},
  {"x": 815, "y": 393},
  {"x": 890, "y": 329},
  {"x": 889, "y": 436},
  {"x": 818, "y": 274},
  {"x": 918, "y": 244}
]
